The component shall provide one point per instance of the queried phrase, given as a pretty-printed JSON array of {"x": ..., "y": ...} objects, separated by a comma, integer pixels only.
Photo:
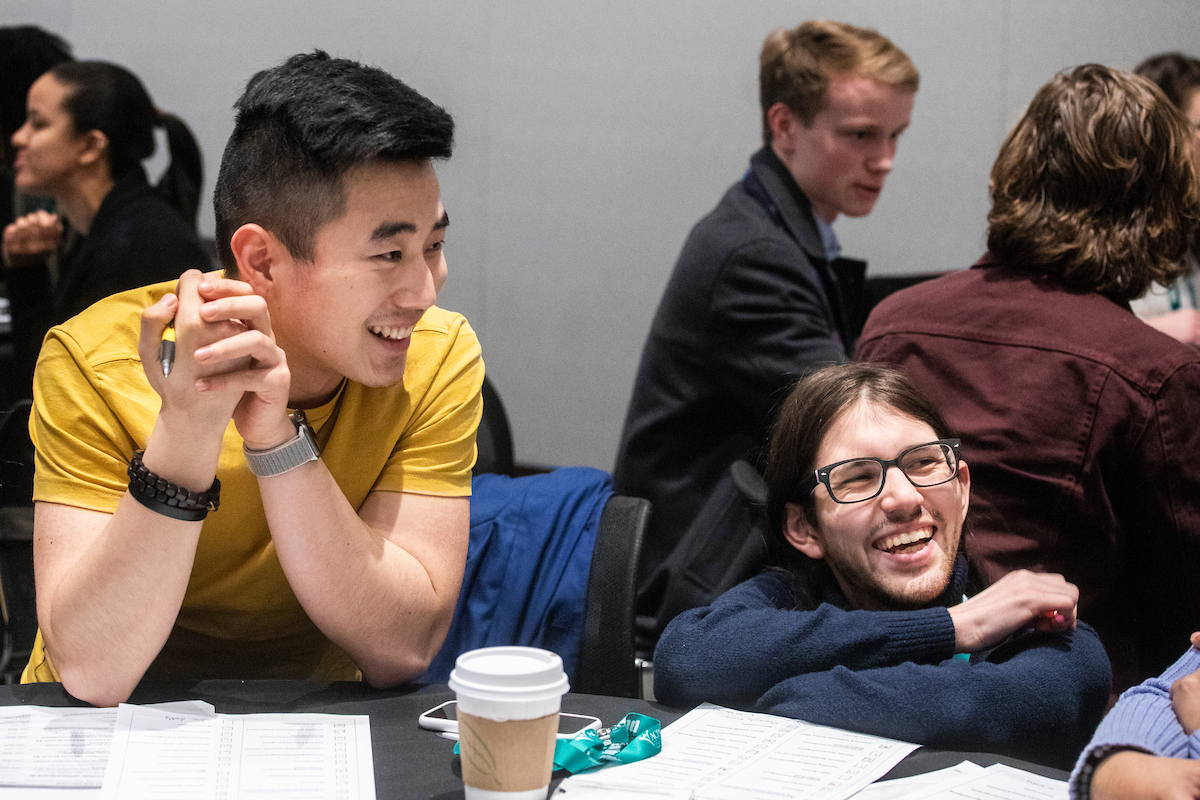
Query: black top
[
  {"x": 136, "y": 238},
  {"x": 751, "y": 307}
]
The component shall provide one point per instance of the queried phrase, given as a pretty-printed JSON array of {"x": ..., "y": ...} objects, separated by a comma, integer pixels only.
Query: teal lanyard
[
  {"x": 963, "y": 656},
  {"x": 1175, "y": 296},
  {"x": 633, "y": 738}
]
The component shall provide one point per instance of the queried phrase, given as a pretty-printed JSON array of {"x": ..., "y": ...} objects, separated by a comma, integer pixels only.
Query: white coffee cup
[{"x": 508, "y": 703}]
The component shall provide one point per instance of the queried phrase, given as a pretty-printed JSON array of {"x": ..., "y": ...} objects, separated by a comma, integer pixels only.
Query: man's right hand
[
  {"x": 185, "y": 445},
  {"x": 1045, "y": 601},
  {"x": 1134, "y": 775},
  {"x": 31, "y": 239},
  {"x": 183, "y": 405}
]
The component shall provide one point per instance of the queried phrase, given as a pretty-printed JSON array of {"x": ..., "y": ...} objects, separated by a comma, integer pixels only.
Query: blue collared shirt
[{"x": 833, "y": 248}]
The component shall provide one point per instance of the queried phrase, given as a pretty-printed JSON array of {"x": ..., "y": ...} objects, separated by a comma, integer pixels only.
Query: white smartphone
[{"x": 443, "y": 719}]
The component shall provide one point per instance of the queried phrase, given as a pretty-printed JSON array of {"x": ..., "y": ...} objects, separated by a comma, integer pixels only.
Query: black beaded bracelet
[{"x": 164, "y": 497}]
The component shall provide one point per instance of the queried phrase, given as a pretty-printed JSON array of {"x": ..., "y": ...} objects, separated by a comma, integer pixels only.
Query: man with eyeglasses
[{"x": 874, "y": 620}]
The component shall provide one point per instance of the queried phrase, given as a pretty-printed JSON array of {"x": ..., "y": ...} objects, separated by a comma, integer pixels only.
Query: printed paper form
[
  {"x": 999, "y": 782},
  {"x": 917, "y": 785},
  {"x": 51, "y": 753},
  {"x": 230, "y": 756},
  {"x": 715, "y": 753}
]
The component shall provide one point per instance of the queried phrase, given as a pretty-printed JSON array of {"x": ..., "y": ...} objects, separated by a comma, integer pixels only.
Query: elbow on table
[
  {"x": 679, "y": 683},
  {"x": 384, "y": 670},
  {"x": 97, "y": 687}
]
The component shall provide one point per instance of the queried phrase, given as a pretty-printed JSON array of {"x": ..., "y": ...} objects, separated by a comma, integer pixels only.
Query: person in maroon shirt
[{"x": 1082, "y": 421}]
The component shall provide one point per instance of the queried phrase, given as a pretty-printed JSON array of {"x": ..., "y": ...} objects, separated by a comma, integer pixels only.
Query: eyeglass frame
[{"x": 821, "y": 476}]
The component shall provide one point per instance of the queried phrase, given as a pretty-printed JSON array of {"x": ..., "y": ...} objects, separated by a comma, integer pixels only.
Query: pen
[{"x": 166, "y": 351}]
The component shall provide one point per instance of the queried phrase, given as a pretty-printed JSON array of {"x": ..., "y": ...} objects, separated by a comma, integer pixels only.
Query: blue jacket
[
  {"x": 888, "y": 673},
  {"x": 528, "y": 562}
]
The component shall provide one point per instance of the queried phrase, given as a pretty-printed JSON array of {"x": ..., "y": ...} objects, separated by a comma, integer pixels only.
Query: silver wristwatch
[{"x": 287, "y": 456}]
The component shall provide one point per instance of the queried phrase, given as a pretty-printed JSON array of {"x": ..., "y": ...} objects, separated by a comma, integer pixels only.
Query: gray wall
[{"x": 593, "y": 135}]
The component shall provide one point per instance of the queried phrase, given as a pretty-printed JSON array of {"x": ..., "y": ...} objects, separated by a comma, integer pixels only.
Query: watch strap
[{"x": 287, "y": 456}]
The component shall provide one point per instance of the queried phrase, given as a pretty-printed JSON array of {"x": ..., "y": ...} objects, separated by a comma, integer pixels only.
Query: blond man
[{"x": 753, "y": 302}]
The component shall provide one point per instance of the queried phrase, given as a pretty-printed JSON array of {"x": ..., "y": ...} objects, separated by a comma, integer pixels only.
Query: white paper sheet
[
  {"x": 715, "y": 753},
  {"x": 239, "y": 757},
  {"x": 999, "y": 782},
  {"x": 915, "y": 785},
  {"x": 51, "y": 753}
]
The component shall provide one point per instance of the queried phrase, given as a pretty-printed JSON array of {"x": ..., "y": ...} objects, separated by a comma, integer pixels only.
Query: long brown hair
[{"x": 1097, "y": 185}]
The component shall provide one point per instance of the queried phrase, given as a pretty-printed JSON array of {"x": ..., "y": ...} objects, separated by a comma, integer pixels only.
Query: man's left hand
[{"x": 1019, "y": 599}]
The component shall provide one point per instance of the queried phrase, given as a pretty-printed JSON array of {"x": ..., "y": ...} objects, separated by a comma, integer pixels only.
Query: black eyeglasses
[{"x": 859, "y": 479}]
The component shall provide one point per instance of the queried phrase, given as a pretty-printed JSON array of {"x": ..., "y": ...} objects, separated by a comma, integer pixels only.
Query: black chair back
[
  {"x": 493, "y": 440},
  {"x": 18, "y": 606},
  {"x": 607, "y": 661}
]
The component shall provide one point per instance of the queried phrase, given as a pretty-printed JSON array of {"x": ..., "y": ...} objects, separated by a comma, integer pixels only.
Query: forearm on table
[
  {"x": 106, "y": 614},
  {"x": 383, "y": 592},
  {"x": 1133, "y": 775},
  {"x": 1040, "y": 704},
  {"x": 110, "y": 586},
  {"x": 737, "y": 649}
]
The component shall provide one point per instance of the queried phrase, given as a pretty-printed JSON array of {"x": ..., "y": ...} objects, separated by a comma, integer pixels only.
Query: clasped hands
[
  {"x": 30, "y": 239},
  {"x": 227, "y": 364}
]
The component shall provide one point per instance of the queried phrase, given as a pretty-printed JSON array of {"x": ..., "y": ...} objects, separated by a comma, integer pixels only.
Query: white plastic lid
[{"x": 509, "y": 673}]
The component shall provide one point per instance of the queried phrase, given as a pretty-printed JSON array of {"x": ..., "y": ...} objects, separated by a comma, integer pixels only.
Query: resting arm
[
  {"x": 1041, "y": 703},
  {"x": 1131, "y": 775},
  {"x": 382, "y": 583},
  {"x": 109, "y": 586},
  {"x": 1182, "y": 325},
  {"x": 735, "y": 650}
]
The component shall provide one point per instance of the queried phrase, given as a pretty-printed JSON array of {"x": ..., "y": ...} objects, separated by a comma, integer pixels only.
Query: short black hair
[{"x": 299, "y": 127}]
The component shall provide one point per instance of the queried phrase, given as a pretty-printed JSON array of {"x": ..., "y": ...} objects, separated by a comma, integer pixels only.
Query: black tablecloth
[{"x": 412, "y": 763}]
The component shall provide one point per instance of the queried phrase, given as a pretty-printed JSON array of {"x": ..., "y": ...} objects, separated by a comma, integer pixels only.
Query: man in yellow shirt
[{"x": 342, "y": 483}]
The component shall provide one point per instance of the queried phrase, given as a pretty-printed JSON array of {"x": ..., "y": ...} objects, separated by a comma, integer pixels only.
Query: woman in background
[
  {"x": 89, "y": 125},
  {"x": 1174, "y": 309},
  {"x": 26, "y": 53}
]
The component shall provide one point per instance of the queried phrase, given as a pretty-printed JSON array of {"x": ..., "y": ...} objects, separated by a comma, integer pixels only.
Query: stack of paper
[
  {"x": 182, "y": 750},
  {"x": 715, "y": 753}
]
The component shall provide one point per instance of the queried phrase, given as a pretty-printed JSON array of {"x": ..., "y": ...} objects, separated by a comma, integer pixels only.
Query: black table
[{"x": 410, "y": 762}]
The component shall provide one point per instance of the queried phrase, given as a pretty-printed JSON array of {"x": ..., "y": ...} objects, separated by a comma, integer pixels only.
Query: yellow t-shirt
[{"x": 93, "y": 407}]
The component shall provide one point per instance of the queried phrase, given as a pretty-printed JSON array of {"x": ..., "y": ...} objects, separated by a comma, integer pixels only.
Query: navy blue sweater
[{"x": 888, "y": 673}]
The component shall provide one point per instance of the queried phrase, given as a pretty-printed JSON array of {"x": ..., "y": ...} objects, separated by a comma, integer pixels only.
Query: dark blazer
[
  {"x": 136, "y": 239},
  {"x": 751, "y": 306}
]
